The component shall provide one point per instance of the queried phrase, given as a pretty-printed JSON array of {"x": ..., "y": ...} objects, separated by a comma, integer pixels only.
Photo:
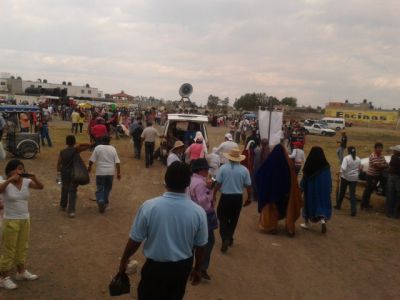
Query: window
[
  {"x": 39, "y": 86},
  {"x": 32, "y": 86},
  {"x": 89, "y": 91},
  {"x": 82, "y": 91},
  {"x": 2, "y": 83}
]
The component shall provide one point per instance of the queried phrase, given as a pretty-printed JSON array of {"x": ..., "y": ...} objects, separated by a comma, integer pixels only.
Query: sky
[{"x": 314, "y": 50}]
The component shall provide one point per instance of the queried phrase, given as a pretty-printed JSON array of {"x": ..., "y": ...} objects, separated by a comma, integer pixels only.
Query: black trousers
[
  {"x": 149, "y": 151},
  {"x": 164, "y": 280},
  {"x": 370, "y": 186},
  {"x": 228, "y": 212}
]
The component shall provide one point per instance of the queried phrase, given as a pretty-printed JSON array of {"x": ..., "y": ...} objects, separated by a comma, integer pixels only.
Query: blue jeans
[
  {"x": 44, "y": 134},
  {"x": 209, "y": 247},
  {"x": 352, "y": 189},
  {"x": 340, "y": 154},
  {"x": 103, "y": 188},
  {"x": 149, "y": 151}
]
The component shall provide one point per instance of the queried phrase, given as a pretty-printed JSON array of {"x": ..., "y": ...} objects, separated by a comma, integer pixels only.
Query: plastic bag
[
  {"x": 120, "y": 285},
  {"x": 79, "y": 171}
]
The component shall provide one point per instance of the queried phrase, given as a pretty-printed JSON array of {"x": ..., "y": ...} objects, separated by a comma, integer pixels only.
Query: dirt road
[{"x": 358, "y": 258}]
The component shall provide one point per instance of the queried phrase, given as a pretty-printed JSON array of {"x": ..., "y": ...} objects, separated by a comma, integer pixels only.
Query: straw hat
[
  {"x": 234, "y": 155},
  {"x": 395, "y": 148},
  {"x": 178, "y": 144}
]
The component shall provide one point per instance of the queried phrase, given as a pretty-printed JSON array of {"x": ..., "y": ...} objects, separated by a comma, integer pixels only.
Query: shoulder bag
[{"x": 80, "y": 175}]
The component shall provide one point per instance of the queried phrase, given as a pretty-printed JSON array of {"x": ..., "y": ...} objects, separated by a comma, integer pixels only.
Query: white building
[{"x": 19, "y": 86}]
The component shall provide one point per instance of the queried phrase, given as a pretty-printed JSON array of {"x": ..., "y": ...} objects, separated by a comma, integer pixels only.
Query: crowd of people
[{"x": 177, "y": 229}]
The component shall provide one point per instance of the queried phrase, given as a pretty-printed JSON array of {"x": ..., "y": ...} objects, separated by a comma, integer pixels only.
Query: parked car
[
  {"x": 181, "y": 127},
  {"x": 319, "y": 129},
  {"x": 365, "y": 162},
  {"x": 335, "y": 123}
]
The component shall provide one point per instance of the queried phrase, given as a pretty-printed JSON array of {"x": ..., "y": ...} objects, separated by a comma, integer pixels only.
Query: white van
[{"x": 335, "y": 123}]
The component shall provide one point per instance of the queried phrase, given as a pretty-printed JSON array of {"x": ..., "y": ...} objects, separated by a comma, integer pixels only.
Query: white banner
[{"x": 276, "y": 126}]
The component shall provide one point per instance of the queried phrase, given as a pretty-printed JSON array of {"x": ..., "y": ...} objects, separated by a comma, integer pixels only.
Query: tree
[
  {"x": 252, "y": 101},
  {"x": 247, "y": 102},
  {"x": 213, "y": 102},
  {"x": 224, "y": 104},
  {"x": 289, "y": 101}
]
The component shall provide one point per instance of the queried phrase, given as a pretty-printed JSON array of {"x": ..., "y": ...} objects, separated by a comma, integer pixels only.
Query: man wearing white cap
[
  {"x": 231, "y": 179},
  {"x": 226, "y": 147},
  {"x": 393, "y": 184}
]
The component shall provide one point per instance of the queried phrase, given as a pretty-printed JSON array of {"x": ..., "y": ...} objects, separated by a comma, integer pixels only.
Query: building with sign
[{"x": 363, "y": 113}]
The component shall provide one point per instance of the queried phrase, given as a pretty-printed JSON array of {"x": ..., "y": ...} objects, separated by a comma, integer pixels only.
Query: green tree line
[{"x": 249, "y": 101}]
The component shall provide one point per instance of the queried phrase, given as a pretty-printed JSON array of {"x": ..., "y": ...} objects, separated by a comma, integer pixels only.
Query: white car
[
  {"x": 365, "y": 162},
  {"x": 182, "y": 127},
  {"x": 319, "y": 129}
]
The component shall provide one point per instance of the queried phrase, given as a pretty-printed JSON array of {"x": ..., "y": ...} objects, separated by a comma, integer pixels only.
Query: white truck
[{"x": 319, "y": 129}]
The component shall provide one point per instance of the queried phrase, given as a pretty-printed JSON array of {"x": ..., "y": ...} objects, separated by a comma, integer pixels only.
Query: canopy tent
[{"x": 85, "y": 105}]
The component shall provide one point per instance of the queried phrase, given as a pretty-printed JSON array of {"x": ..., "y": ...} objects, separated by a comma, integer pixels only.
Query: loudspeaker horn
[{"x": 185, "y": 90}]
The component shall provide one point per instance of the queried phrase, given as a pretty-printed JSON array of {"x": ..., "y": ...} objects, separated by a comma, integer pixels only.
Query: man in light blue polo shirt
[
  {"x": 170, "y": 227},
  {"x": 232, "y": 178}
]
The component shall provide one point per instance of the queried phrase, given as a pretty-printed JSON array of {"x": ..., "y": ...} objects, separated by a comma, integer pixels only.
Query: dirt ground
[{"x": 358, "y": 258}]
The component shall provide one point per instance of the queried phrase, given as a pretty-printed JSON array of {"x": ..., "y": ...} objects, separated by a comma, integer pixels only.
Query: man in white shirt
[
  {"x": 74, "y": 121},
  {"x": 298, "y": 157},
  {"x": 226, "y": 147},
  {"x": 106, "y": 158},
  {"x": 149, "y": 136},
  {"x": 175, "y": 153},
  {"x": 349, "y": 172}
]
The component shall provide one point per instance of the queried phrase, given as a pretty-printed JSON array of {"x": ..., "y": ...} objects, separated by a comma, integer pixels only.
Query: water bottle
[{"x": 58, "y": 178}]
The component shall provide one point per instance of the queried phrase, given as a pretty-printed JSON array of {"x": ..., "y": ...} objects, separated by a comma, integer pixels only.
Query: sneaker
[
  {"x": 7, "y": 283},
  {"x": 26, "y": 275},
  {"x": 337, "y": 207},
  {"x": 304, "y": 226},
  {"x": 71, "y": 215}
]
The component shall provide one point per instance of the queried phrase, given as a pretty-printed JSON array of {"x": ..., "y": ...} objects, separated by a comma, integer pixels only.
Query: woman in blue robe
[
  {"x": 316, "y": 185},
  {"x": 278, "y": 192}
]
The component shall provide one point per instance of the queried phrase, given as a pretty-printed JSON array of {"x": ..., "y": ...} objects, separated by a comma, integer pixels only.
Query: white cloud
[{"x": 310, "y": 49}]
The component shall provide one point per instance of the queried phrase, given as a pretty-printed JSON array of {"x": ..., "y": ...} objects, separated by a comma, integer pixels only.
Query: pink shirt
[
  {"x": 195, "y": 151},
  {"x": 200, "y": 193}
]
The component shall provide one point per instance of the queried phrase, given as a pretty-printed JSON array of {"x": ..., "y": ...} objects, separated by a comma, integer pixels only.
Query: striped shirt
[{"x": 376, "y": 164}]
